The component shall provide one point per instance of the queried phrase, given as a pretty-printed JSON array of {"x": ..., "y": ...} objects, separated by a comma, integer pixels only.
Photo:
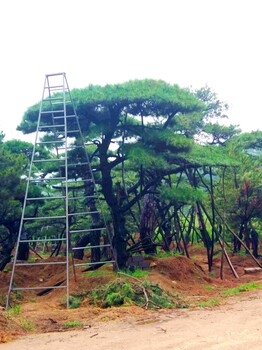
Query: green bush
[{"x": 74, "y": 301}]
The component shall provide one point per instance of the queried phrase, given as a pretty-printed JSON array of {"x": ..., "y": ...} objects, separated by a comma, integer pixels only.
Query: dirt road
[{"x": 237, "y": 325}]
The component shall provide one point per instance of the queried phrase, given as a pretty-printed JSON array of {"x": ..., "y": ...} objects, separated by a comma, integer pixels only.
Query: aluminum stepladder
[{"x": 70, "y": 184}]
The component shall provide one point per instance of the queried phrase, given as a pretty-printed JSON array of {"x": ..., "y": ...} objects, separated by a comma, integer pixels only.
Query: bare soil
[
  {"x": 234, "y": 323},
  {"x": 235, "y": 326}
]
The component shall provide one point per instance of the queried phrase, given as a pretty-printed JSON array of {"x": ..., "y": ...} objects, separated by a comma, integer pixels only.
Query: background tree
[
  {"x": 243, "y": 185},
  {"x": 12, "y": 167}
]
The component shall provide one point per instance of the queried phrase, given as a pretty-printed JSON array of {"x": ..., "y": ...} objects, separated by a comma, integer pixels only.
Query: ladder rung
[
  {"x": 51, "y": 126},
  {"x": 42, "y": 240},
  {"x": 43, "y": 287},
  {"x": 69, "y": 148},
  {"x": 47, "y": 179},
  {"x": 45, "y": 217},
  {"x": 88, "y": 230},
  {"x": 66, "y": 116},
  {"x": 92, "y": 246},
  {"x": 60, "y": 104},
  {"x": 55, "y": 74},
  {"x": 77, "y": 181},
  {"x": 68, "y": 131},
  {"x": 53, "y": 99},
  {"x": 43, "y": 198},
  {"x": 54, "y": 111},
  {"x": 43, "y": 263},
  {"x": 49, "y": 142},
  {"x": 48, "y": 160},
  {"x": 95, "y": 263},
  {"x": 56, "y": 87},
  {"x": 84, "y": 213}
]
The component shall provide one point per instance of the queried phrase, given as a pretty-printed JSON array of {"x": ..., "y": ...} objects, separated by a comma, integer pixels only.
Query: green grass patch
[
  {"x": 240, "y": 289},
  {"x": 209, "y": 303},
  {"x": 26, "y": 324},
  {"x": 136, "y": 273},
  {"x": 72, "y": 324},
  {"x": 97, "y": 273},
  {"x": 16, "y": 309},
  {"x": 212, "y": 274},
  {"x": 208, "y": 287},
  {"x": 8, "y": 268},
  {"x": 13, "y": 311}
]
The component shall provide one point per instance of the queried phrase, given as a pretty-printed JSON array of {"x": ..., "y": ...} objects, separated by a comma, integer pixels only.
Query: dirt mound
[
  {"x": 180, "y": 268},
  {"x": 180, "y": 274}
]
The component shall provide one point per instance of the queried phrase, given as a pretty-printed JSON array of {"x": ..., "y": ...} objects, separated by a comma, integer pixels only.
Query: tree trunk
[
  {"x": 81, "y": 242},
  {"x": 254, "y": 240},
  {"x": 5, "y": 255},
  {"x": 23, "y": 250},
  {"x": 147, "y": 225},
  {"x": 7, "y": 247},
  {"x": 120, "y": 235},
  {"x": 119, "y": 239},
  {"x": 205, "y": 236}
]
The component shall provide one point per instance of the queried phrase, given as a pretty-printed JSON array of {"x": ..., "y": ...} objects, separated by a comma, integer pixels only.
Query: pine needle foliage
[
  {"x": 142, "y": 293},
  {"x": 210, "y": 156},
  {"x": 139, "y": 155},
  {"x": 182, "y": 194}
]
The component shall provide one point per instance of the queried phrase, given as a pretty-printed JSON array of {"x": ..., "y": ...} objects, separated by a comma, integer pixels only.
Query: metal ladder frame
[{"x": 56, "y": 115}]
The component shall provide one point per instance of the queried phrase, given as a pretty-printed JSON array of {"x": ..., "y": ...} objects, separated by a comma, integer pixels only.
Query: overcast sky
[{"x": 187, "y": 42}]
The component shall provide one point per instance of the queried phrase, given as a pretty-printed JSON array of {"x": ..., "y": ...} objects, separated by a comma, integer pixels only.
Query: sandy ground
[{"x": 236, "y": 325}]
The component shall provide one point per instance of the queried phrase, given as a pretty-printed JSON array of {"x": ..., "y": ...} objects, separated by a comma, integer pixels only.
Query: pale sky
[{"x": 187, "y": 42}]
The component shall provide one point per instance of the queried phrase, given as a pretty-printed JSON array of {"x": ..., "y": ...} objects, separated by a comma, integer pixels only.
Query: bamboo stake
[{"x": 228, "y": 259}]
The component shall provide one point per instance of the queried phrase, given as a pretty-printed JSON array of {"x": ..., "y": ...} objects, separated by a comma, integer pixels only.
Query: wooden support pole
[{"x": 228, "y": 259}]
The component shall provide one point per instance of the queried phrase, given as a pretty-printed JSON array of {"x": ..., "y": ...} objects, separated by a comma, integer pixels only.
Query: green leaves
[
  {"x": 139, "y": 155},
  {"x": 166, "y": 140},
  {"x": 181, "y": 194},
  {"x": 210, "y": 155}
]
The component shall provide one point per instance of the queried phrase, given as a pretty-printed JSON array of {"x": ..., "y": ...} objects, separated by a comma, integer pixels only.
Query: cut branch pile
[{"x": 132, "y": 291}]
